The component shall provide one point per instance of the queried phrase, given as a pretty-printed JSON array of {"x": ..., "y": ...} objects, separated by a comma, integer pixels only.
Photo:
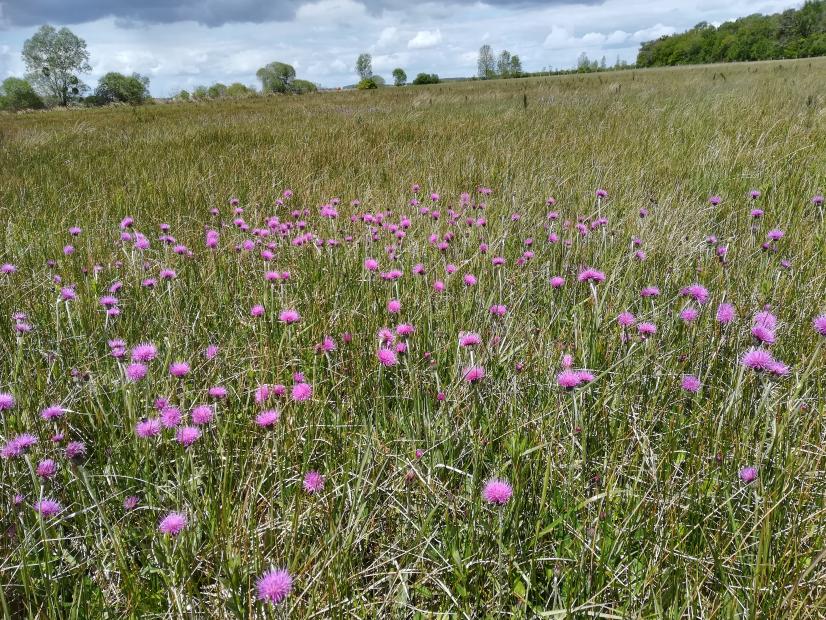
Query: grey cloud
[{"x": 21, "y": 13}]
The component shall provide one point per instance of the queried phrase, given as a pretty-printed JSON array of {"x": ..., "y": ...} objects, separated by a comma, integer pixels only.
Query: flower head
[
  {"x": 313, "y": 482},
  {"x": 748, "y": 474},
  {"x": 274, "y": 586},
  {"x": 497, "y": 491},
  {"x": 173, "y": 523}
]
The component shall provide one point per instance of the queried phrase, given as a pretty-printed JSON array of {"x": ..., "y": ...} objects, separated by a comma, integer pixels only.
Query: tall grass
[{"x": 627, "y": 500}]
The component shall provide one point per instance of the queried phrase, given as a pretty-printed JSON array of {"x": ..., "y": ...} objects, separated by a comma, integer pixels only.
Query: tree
[
  {"x": 276, "y": 77},
  {"x": 503, "y": 65},
  {"x": 116, "y": 87},
  {"x": 217, "y": 90},
  {"x": 379, "y": 80},
  {"x": 183, "y": 95},
  {"x": 54, "y": 60},
  {"x": 236, "y": 89},
  {"x": 17, "y": 94},
  {"x": 367, "y": 84},
  {"x": 364, "y": 66},
  {"x": 200, "y": 93},
  {"x": 399, "y": 76},
  {"x": 426, "y": 78},
  {"x": 516, "y": 66},
  {"x": 485, "y": 65}
]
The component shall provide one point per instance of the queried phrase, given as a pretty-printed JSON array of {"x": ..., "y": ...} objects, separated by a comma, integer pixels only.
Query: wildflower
[
  {"x": 568, "y": 379},
  {"x": 469, "y": 279},
  {"x": 557, "y": 282},
  {"x": 696, "y": 292},
  {"x": 626, "y": 319},
  {"x": 267, "y": 418},
  {"x": 173, "y": 523},
  {"x": 819, "y": 324},
  {"x": 217, "y": 391},
  {"x": 202, "y": 414},
  {"x": 690, "y": 383},
  {"x": 6, "y": 401},
  {"x": 725, "y": 313},
  {"x": 135, "y": 372},
  {"x": 46, "y": 468},
  {"x": 591, "y": 275},
  {"x": 387, "y": 357},
  {"x": 758, "y": 360},
  {"x": 646, "y": 329},
  {"x": 497, "y": 492},
  {"x": 498, "y": 310},
  {"x": 689, "y": 314},
  {"x": 131, "y": 502},
  {"x": 47, "y": 507},
  {"x": 289, "y": 316},
  {"x": 474, "y": 374},
  {"x": 75, "y": 451},
  {"x": 313, "y": 482},
  {"x": 171, "y": 416},
  {"x": 144, "y": 352},
  {"x": 650, "y": 291},
  {"x": 274, "y": 586},
  {"x": 763, "y": 335},
  {"x": 179, "y": 369},
  {"x": 302, "y": 392},
  {"x": 148, "y": 428},
  {"x": 394, "y": 306},
  {"x": 257, "y": 310},
  {"x": 748, "y": 474},
  {"x": 187, "y": 435},
  {"x": 469, "y": 339}
]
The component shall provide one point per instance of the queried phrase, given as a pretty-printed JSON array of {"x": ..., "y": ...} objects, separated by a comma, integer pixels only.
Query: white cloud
[
  {"x": 425, "y": 39},
  {"x": 388, "y": 36},
  {"x": 559, "y": 38},
  {"x": 654, "y": 32}
]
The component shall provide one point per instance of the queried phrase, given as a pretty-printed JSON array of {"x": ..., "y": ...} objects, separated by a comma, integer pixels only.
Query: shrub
[
  {"x": 426, "y": 78},
  {"x": 17, "y": 94},
  {"x": 367, "y": 84}
]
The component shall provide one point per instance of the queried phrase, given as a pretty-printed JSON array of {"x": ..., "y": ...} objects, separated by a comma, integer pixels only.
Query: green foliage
[
  {"x": 795, "y": 33},
  {"x": 236, "y": 89},
  {"x": 200, "y": 93},
  {"x": 118, "y": 88},
  {"x": 367, "y": 84},
  {"x": 486, "y": 63},
  {"x": 276, "y": 77},
  {"x": 399, "y": 76},
  {"x": 55, "y": 59},
  {"x": 217, "y": 90},
  {"x": 300, "y": 87},
  {"x": 426, "y": 78},
  {"x": 364, "y": 66},
  {"x": 17, "y": 94},
  {"x": 183, "y": 95}
]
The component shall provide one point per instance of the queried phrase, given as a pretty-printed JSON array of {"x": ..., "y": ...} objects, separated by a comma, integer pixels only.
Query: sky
[{"x": 184, "y": 43}]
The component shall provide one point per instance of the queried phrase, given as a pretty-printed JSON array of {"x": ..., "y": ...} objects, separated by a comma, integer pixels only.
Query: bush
[
  {"x": 299, "y": 87},
  {"x": 426, "y": 78},
  {"x": 17, "y": 94},
  {"x": 115, "y": 87},
  {"x": 367, "y": 84}
]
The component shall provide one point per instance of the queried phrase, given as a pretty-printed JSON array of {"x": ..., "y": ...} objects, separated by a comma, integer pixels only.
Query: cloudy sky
[{"x": 183, "y": 43}]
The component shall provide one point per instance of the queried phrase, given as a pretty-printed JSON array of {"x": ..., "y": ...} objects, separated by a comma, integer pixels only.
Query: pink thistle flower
[
  {"x": 289, "y": 316},
  {"x": 748, "y": 475},
  {"x": 171, "y": 416},
  {"x": 75, "y": 450},
  {"x": 649, "y": 291},
  {"x": 689, "y": 314},
  {"x": 498, "y": 310},
  {"x": 217, "y": 391},
  {"x": 46, "y": 468},
  {"x": 387, "y": 357},
  {"x": 313, "y": 482},
  {"x": 591, "y": 275},
  {"x": 439, "y": 286},
  {"x": 187, "y": 435},
  {"x": 52, "y": 413},
  {"x": 144, "y": 352},
  {"x": 585, "y": 376},
  {"x": 202, "y": 414},
  {"x": 135, "y": 372},
  {"x": 696, "y": 292},
  {"x": 394, "y": 306},
  {"x": 469, "y": 279},
  {"x": 557, "y": 282},
  {"x": 646, "y": 329},
  {"x": 758, "y": 360},
  {"x": 211, "y": 351},
  {"x": 267, "y": 418},
  {"x": 257, "y": 311},
  {"x": 173, "y": 523},
  {"x": 819, "y": 324},
  {"x": 725, "y": 313},
  {"x": 765, "y": 319},
  {"x": 626, "y": 319},
  {"x": 274, "y": 586},
  {"x": 6, "y": 401},
  {"x": 763, "y": 335},
  {"x": 148, "y": 428},
  {"x": 469, "y": 339},
  {"x": 497, "y": 491},
  {"x": 47, "y": 508},
  {"x": 690, "y": 383},
  {"x": 302, "y": 392},
  {"x": 179, "y": 369},
  {"x": 474, "y": 374},
  {"x": 568, "y": 379}
]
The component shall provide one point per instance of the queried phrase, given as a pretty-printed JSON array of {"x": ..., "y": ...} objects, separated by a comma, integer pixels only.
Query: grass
[{"x": 626, "y": 497}]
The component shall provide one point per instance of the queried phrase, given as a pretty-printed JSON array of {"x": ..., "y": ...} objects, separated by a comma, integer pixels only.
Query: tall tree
[
  {"x": 503, "y": 65},
  {"x": 485, "y": 65},
  {"x": 516, "y": 66},
  {"x": 116, "y": 87},
  {"x": 17, "y": 94},
  {"x": 399, "y": 76},
  {"x": 364, "y": 66},
  {"x": 276, "y": 77},
  {"x": 54, "y": 60}
]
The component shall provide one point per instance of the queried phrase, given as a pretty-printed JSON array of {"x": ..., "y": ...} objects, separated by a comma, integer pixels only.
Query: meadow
[{"x": 536, "y": 348}]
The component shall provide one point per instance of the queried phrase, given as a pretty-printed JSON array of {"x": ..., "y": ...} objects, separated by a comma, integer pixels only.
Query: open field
[{"x": 632, "y": 493}]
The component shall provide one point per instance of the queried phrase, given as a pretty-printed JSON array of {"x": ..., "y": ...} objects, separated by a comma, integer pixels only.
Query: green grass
[{"x": 627, "y": 501}]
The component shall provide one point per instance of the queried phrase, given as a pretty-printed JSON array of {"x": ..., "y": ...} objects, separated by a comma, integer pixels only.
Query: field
[{"x": 329, "y": 388}]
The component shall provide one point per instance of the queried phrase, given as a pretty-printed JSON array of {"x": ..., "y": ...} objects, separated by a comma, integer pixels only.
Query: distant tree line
[
  {"x": 795, "y": 33},
  {"x": 505, "y": 65},
  {"x": 369, "y": 81}
]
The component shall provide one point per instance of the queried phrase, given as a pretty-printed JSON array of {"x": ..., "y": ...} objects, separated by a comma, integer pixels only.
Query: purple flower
[
  {"x": 6, "y": 401},
  {"x": 696, "y": 292},
  {"x": 46, "y": 468},
  {"x": 267, "y": 418},
  {"x": 591, "y": 275},
  {"x": 725, "y": 313},
  {"x": 47, "y": 507},
  {"x": 187, "y": 435},
  {"x": 690, "y": 383},
  {"x": 179, "y": 369},
  {"x": 148, "y": 428},
  {"x": 748, "y": 474},
  {"x": 302, "y": 392},
  {"x": 75, "y": 450},
  {"x": 313, "y": 482},
  {"x": 144, "y": 352},
  {"x": 131, "y": 502},
  {"x": 173, "y": 523},
  {"x": 759, "y": 360},
  {"x": 474, "y": 374},
  {"x": 202, "y": 414},
  {"x": 819, "y": 324},
  {"x": 274, "y": 586},
  {"x": 497, "y": 491},
  {"x": 135, "y": 372},
  {"x": 52, "y": 412}
]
